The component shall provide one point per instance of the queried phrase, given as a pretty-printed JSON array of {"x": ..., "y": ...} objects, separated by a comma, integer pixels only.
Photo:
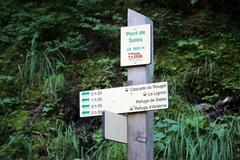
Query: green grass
[{"x": 192, "y": 137}]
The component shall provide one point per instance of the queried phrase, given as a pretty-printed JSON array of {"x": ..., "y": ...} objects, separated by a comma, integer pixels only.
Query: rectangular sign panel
[
  {"x": 112, "y": 124},
  {"x": 136, "y": 45},
  {"x": 124, "y": 99}
]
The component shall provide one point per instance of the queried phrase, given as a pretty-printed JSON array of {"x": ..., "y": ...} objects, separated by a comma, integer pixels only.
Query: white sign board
[
  {"x": 112, "y": 124},
  {"x": 136, "y": 45},
  {"x": 124, "y": 99}
]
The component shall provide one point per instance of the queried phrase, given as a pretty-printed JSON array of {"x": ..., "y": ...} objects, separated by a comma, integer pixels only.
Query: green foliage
[
  {"x": 188, "y": 42},
  {"x": 204, "y": 73},
  {"x": 53, "y": 84},
  {"x": 108, "y": 151},
  {"x": 65, "y": 145},
  {"x": 38, "y": 66},
  {"x": 191, "y": 138},
  {"x": 210, "y": 98},
  {"x": 101, "y": 72},
  {"x": 18, "y": 146},
  {"x": 5, "y": 129},
  {"x": 50, "y": 105},
  {"x": 97, "y": 136},
  {"x": 19, "y": 119},
  {"x": 194, "y": 1},
  {"x": 5, "y": 78},
  {"x": 182, "y": 133},
  {"x": 7, "y": 103},
  {"x": 74, "y": 43},
  {"x": 167, "y": 24}
]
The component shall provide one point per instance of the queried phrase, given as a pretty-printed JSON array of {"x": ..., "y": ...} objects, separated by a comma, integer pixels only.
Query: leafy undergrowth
[
  {"x": 49, "y": 51},
  {"x": 184, "y": 133}
]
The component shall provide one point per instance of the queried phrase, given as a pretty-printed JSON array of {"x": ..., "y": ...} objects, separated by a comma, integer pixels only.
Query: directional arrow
[
  {"x": 85, "y": 93},
  {"x": 86, "y": 112},
  {"x": 86, "y": 106},
  {"x": 85, "y": 100}
]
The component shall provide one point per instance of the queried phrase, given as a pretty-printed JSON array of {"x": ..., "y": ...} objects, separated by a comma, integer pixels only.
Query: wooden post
[{"x": 140, "y": 125}]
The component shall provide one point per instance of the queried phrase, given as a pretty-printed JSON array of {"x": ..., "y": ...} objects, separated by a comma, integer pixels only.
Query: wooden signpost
[
  {"x": 140, "y": 125},
  {"x": 138, "y": 99}
]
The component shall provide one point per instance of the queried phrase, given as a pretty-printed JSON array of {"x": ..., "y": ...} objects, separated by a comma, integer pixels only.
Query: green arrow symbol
[
  {"x": 86, "y": 106},
  {"x": 86, "y": 112},
  {"x": 85, "y": 100},
  {"x": 85, "y": 93}
]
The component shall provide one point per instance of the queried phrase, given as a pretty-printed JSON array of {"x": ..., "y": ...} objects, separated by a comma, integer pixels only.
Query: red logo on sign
[{"x": 134, "y": 55}]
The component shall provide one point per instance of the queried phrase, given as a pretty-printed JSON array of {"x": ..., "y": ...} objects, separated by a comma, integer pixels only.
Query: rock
[
  {"x": 205, "y": 107},
  {"x": 229, "y": 104}
]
